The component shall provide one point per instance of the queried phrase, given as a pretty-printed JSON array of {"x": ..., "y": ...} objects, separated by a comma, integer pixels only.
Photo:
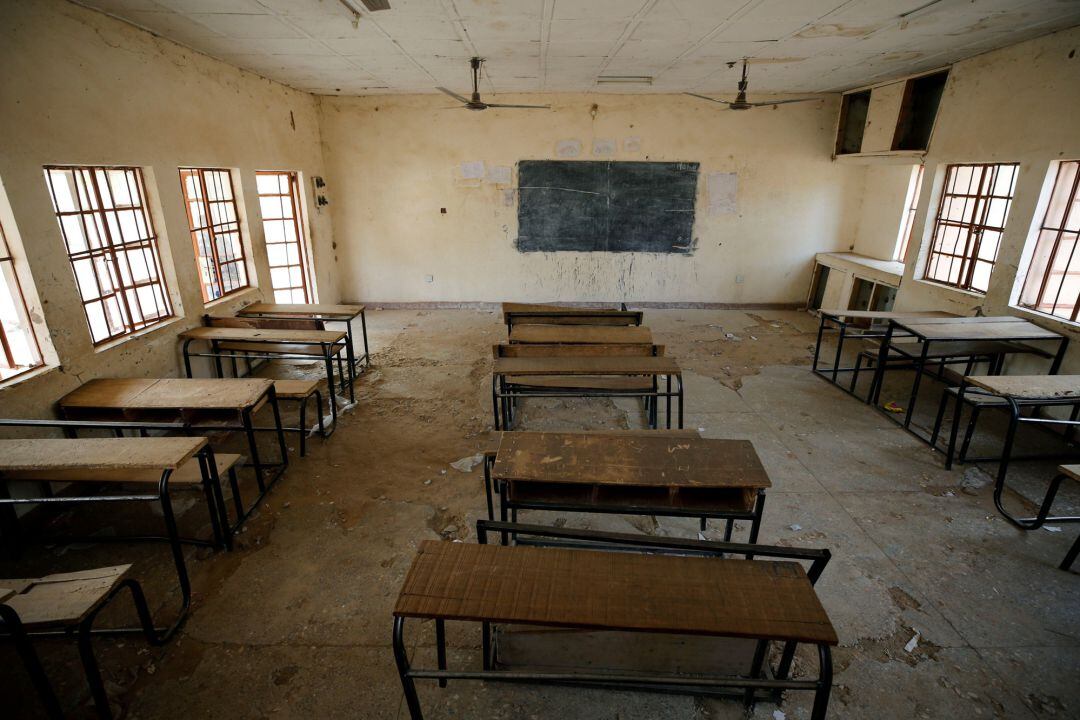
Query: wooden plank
[
  {"x": 155, "y": 453},
  {"x": 545, "y": 350},
  {"x": 167, "y": 394},
  {"x": 62, "y": 599},
  {"x": 581, "y": 334},
  {"x": 1072, "y": 471},
  {"x": 295, "y": 389},
  {"x": 614, "y": 591},
  {"x": 640, "y": 460},
  {"x": 516, "y": 307},
  {"x": 263, "y": 335},
  {"x": 190, "y": 473},
  {"x": 583, "y": 382},
  {"x": 886, "y": 314},
  {"x": 587, "y": 366},
  {"x": 1029, "y": 387},
  {"x": 319, "y": 310},
  {"x": 1003, "y": 328}
]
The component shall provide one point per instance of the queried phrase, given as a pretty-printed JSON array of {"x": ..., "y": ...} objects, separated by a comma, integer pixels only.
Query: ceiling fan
[
  {"x": 740, "y": 102},
  {"x": 475, "y": 103}
]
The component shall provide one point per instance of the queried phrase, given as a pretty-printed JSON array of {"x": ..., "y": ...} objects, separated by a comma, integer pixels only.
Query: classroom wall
[
  {"x": 82, "y": 88},
  {"x": 394, "y": 162},
  {"x": 881, "y": 210},
  {"x": 1017, "y": 104}
]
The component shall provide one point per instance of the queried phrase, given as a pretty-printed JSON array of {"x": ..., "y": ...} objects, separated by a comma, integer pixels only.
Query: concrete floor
[{"x": 296, "y": 622}]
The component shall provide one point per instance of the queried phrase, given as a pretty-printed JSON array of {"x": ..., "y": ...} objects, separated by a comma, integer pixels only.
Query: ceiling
[{"x": 799, "y": 46}]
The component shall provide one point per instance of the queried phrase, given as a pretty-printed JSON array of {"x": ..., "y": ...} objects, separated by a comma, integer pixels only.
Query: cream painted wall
[
  {"x": 393, "y": 162},
  {"x": 80, "y": 87},
  {"x": 1018, "y": 104},
  {"x": 882, "y": 210}
]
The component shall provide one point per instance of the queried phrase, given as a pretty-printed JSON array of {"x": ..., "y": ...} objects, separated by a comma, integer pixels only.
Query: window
[
  {"x": 907, "y": 226},
  {"x": 970, "y": 219},
  {"x": 113, "y": 247},
  {"x": 1052, "y": 284},
  {"x": 19, "y": 349},
  {"x": 215, "y": 231},
  {"x": 283, "y": 227}
]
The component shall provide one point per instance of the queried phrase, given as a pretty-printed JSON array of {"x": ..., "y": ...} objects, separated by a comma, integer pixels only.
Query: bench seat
[
  {"x": 582, "y": 382},
  {"x": 63, "y": 599},
  {"x": 187, "y": 474},
  {"x": 295, "y": 389}
]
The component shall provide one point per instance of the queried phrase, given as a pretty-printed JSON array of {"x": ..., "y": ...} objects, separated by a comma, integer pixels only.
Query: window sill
[
  {"x": 1056, "y": 323},
  {"x": 16, "y": 380},
  {"x": 971, "y": 294},
  {"x": 137, "y": 334},
  {"x": 231, "y": 297}
]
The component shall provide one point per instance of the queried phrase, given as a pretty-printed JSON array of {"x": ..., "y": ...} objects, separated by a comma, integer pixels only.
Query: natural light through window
[
  {"x": 215, "y": 231},
  {"x": 911, "y": 204},
  {"x": 1052, "y": 284},
  {"x": 970, "y": 220},
  {"x": 112, "y": 246},
  {"x": 283, "y": 227},
  {"x": 19, "y": 350}
]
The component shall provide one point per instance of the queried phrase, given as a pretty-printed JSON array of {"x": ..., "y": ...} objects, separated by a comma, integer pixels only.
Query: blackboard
[{"x": 606, "y": 206}]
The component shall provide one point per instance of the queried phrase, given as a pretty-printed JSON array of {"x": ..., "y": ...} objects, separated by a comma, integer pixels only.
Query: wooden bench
[
  {"x": 538, "y": 314},
  {"x": 300, "y": 391},
  {"x": 316, "y": 311},
  {"x": 66, "y": 605},
  {"x": 581, "y": 335},
  {"x": 585, "y": 376},
  {"x": 664, "y": 591},
  {"x": 83, "y": 461},
  {"x": 201, "y": 404},
  {"x": 643, "y": 473}
]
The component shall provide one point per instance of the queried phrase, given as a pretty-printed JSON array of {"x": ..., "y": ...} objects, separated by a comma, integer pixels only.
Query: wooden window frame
[
  {"x": 108, "y": 253},
  {"x": 1057, "y": 230},
  {"x": 294, "y": 201},
  {"x": 213, "y": 229},
  {"x": 971, "y": 229},
  {"x": 19, "y": 301}
]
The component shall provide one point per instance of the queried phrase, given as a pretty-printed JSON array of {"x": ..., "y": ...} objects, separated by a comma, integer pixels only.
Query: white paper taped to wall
[
  {"x": 567, "y": 148},
  {"x": 472, "y": 170},
  {"x": 603, "y": 147},
  {"x": 499, "y": 174},
  {"x": 631, "y": 145},
  {"x": 723, "y": 192}
]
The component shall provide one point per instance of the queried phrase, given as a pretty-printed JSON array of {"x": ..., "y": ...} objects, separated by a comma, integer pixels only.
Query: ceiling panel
[{"x": 795, "y": 46}]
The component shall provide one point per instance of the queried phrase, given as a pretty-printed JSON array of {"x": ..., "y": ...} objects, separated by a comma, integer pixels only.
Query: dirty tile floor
[{"x": 943, "y": 609}]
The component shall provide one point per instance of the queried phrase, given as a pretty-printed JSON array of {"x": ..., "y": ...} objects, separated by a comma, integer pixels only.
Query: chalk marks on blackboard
[{"x": 606, "y": 206}]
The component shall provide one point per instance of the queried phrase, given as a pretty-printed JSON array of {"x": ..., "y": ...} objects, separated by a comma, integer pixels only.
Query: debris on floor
[{"x": 466, "y": 464}]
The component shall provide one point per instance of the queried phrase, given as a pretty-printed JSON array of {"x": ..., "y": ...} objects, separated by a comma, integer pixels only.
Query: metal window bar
[
  {"x": 290, "y": 214},
  {"x": 972, "y": 225},
  {"x": 106, "y": 244},
  {"x": 217, "y": 238},
  {"x": 1058, "y": 230}
]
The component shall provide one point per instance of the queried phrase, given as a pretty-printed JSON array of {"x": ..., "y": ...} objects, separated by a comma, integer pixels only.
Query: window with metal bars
[
  {"x": 1052, "y": 283},
  {"x": 113, "y": 247},
  {"x": 907, "y": 227},
  {"x": 283, "y": 228},
  {"x": 970, "y": 219},
  {"x": 215, "y": 231},
  {"x": 19, "y": 350}
]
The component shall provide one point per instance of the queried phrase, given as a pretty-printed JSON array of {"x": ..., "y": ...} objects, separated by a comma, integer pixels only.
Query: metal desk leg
[
  {"x": 915, "y": 385},
  {"x": 216, "y": 349},
  {"x": 1006, "y": 453},
  {"x": 13, "y": 625},
  {"x": 955, "y": 424},
  {"x": 401, "y": 656},
  {"x": 350, "y": 360},
  {"x": 332, "y": 391},
  {"x": 668, "y": 403},
  {"x": 817, "y": 345},
  {"x": 1070, "y": 557},
  {"x": 821, "y": 697},
  {"x": 272, "y": 394},
  {"x": 187, "y": 357},
  {"x": 1055, "y": 366},
  {"x": 879, "y": 372},
  {"x": 682, "y": 397},
  {"x": 249, "y": 430},
  {"x": 174, "y": 545},
  {"x": 495, "y": 400},
  {"x": 363, "y": 330},
  {"x": 839, "y": 350}
]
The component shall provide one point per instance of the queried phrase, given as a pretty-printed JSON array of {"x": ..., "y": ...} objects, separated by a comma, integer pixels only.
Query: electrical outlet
[
  {"x": 739, "y": 279},
  {"x": 429, "y": 278}
]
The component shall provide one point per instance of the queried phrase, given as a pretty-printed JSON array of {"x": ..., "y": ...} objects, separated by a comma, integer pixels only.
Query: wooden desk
[
  {"x": 113, "y": 461},
  {"x": 614, "y": 591},
  {"x": 273, "y": 343},
  {"x": 842, "y": 321},
  {"x": 581, "y": 335},
  {"x": 517, "y": 377},
  {"x": 527, "y": 314},
  {"x": 928, "y": 331},
  {"x": 649, "y": 473},
  {"x": 316, "y": 311},
  {"x": 198, "y": 403}
]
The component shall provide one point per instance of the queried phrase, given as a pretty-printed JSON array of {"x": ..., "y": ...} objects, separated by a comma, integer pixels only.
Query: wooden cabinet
[{"x": 894, "y": 118}]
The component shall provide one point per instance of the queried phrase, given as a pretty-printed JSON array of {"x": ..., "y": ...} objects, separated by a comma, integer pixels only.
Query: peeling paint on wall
[{"x": 568, "y": 148}]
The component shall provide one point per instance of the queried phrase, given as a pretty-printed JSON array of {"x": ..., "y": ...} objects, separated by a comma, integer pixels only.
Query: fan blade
[
  {"x": 782, "y": 102},
  {"x": 533, "y": 107},
  {"x": 705, "y": 97},
  {"x": 453, "y": 94}
]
